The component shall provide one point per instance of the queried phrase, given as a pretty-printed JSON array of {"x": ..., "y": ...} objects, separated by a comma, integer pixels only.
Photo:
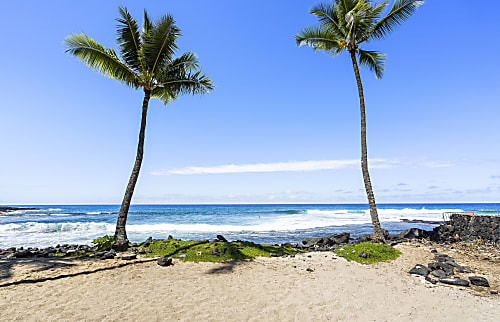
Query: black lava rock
[
  {"x": 147, "y": 242},
  {"x": 479, "y": 281},
  {"x": 447, "y": 268},
  {"x": 129, "y": 257},
  {"x": 420, "y": 270},
  {"x": 454, "y": 281},
  {"x": 414, "y": 233},
  {"x": 336, "y": 239},
  {"x": 215, "y": 251},
  {"x": 165, "y": 261},
  {"x": 438, "y": 273},
  {"x": 108, "y": 255},
  {"x": 221, "y": 238},
  {"x": 431, "y": 280},
  {"x": 363, "y": 255}
]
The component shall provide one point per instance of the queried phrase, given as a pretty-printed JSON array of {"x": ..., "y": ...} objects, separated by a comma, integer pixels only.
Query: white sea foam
[
  {"x": 44, "y": 234},
  {"x": 99, "y": 213}
]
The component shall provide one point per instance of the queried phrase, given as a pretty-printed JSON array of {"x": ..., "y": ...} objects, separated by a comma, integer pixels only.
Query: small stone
[
  {"x": 198, "y": 253},
  {"x": 431, "y": 280},
  {"x": 439, "y": 273},
  {"x": 454, "y": 281},
  {"x": 309, "y": 269},
  {"x": 164, "y": 261},
  {"x": 420, "y": 270},
  {"x": 108, "y": 255},
  {"x": 363, "y": 255},
  {"x": 182, "y": 256},
  {"x": 129, "y": 257},
  {"x": 273, "y": 255},
  {"x": 170, "y": 237},
  {"x": 434, "y": 251},
  {"x": 141, "y": 251},
  {"x": 494, "y": 292},
  {"x": 479, "y": 281},
  {"x": 215, "y": 251}
]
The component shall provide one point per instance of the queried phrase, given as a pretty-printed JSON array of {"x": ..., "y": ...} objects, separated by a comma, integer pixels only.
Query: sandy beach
[{"x": 266, "y": 289}]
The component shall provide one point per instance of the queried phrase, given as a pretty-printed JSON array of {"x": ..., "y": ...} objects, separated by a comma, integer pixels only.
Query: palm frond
[
  {"x": 187, "y": 62},
  {"x": 399, "y": 13},
  {"x": 161, "y": 42},
  {"x": 195, "y": 83},
  {"x": 320, "y": 38},
  {"x": 147, "y": 26},
  {"x": 327, "y": 15},
  {"x": 97, "y": 57},
  {"x": 373, "y": 60},
  {"x": 128, "y": 39}
]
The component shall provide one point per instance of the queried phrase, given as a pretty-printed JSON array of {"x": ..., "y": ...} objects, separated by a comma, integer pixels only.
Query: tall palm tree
[
  {"x": 147, "y": 62},
  {"x": 343, "y": 26}
]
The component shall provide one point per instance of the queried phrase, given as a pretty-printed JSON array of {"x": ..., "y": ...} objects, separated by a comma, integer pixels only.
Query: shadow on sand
[{"x": 43, "y": 264}]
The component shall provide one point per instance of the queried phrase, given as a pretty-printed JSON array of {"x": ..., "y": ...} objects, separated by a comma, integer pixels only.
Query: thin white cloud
[
  {"x": 292, "y": 166},
  {"x": 437, "y": 164}
]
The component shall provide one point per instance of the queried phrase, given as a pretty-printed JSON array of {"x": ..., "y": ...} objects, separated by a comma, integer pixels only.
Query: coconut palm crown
[
  {"x": 146, "y": 62},
  {"x": 345, "y": 25}
]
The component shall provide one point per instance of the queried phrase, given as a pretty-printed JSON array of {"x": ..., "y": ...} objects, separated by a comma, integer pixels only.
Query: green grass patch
[
  {"x": 200, "y": 250},
  {"x": 376, "y": 252}
]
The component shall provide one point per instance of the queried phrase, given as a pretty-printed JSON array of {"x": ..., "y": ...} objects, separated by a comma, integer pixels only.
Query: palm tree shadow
[
  {"x": 48, "y": 263},
  {"x": 226, "y": 267}
]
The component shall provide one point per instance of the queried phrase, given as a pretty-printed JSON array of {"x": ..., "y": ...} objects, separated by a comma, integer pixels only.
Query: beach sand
[{"x": 267, "y": 289}]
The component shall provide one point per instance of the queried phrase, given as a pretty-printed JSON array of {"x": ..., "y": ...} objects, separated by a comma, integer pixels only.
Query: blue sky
[{"x": 282, "y": 125}]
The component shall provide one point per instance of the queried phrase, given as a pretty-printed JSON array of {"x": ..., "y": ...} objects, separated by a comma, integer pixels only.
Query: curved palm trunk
[
  {"x": 121, "y": 241},
  {"x": 377, "y": 230}
]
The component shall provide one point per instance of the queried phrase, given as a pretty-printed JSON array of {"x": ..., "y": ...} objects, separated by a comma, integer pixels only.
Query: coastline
[{"x": 270, "y": 289}]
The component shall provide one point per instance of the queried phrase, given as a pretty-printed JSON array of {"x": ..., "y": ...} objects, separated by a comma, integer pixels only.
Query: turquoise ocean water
[{"x": 79, "y": 224}]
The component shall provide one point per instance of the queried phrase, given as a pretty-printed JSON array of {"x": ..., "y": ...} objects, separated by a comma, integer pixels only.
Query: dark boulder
[
  {"x": 364, "y": 238},
  {"x": 23, "y": 254},
  {"x": 420, "y": 270},
  {"x": 165, "y": 261},
  {"x": 454, "y": 281},
  {"x": 414, "y": 233},
  {"x": 363, "y": 255},
  {"x": 108, "y": 255},
  {"x": 147, "y": 242},
  {"x": 335, "y": 239},
  {"x": 215, "y": 251},
  {"x": 439, "y": 273},
  {"x": 141, "y": 251},
  {"x": 447, "y": 268},
  {"x": 221, "y": 238},
  {"x": 479, "y": 281}
]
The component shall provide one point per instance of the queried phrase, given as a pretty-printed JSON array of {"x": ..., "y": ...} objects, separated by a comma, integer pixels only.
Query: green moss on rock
[
  {"x": 374, "y": 252},
  {"x": 201, "y": 250}
]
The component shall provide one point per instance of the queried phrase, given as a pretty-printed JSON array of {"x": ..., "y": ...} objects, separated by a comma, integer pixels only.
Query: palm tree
[
  {"x": 344, "y": 26},
  {"x": 147, "y": 62}
]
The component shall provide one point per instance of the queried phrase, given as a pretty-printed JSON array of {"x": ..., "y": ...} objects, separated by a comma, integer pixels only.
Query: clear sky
[{"x": 282, "y": 125}]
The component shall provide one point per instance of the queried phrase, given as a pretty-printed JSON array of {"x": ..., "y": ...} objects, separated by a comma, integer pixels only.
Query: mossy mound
[
  {"x": 374, "y": 252},
  {"x": 201, "y": 250}
]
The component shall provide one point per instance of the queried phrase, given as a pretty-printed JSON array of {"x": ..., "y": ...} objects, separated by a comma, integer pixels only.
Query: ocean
[{"x": 273, "y": 224}]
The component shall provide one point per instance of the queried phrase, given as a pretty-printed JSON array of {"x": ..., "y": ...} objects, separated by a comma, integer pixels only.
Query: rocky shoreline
[{"x": 5, "y": 210}]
